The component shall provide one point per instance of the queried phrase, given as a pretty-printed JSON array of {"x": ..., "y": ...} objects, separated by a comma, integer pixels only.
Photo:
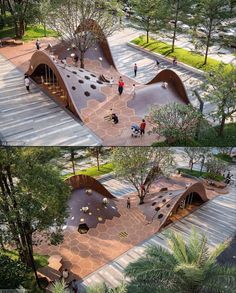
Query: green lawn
[
  {"x": 198, "y": 174},
  {"x": 209, "y": 138},
  {"x": 93, "y": 171},
  {"x": 191, "y": 58},
  {"x": 32, "y": 33},
  {"x": 40, "y": 260}
]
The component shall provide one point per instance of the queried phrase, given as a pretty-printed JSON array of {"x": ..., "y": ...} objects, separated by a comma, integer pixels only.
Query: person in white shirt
[
  {"x": 111, "y": 81},
  {"x": 27, "y": 83},
  {"x": 65, "y": 274},
  {"x": 133, "y": 92}
]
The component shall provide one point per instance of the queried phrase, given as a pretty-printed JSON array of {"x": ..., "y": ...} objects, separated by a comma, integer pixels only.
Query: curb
[{"x": 180, "y": 64}]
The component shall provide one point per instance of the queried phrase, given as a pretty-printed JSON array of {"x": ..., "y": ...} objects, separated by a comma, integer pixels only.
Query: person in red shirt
[
  {"x": 121, "y": 86},
  {"x": 142, "y": 127}
]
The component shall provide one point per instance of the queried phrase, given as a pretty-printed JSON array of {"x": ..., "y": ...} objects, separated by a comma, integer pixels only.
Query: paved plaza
[
  {"x": 216, "y": 219},
  {"x": 54, "y": 126},
  {"x": 115, "y": 236}
]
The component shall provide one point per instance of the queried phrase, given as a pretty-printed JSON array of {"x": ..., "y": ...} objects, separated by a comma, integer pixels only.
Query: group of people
[{"x": 111, "y": 116}]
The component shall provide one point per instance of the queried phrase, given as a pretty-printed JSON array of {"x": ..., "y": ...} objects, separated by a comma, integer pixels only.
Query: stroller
[{"x": 135, "y": 130}]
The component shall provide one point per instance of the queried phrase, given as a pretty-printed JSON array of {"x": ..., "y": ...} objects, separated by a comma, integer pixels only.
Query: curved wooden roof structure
[
  {"x": 161, "y": 205},
  {"x": 85, "y": 181},
  {"x": 79, "y": 86}
]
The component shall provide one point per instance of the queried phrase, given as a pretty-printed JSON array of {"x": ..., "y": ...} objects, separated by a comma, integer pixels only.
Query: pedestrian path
[
  {"x": 216, "y": 219},
  {"x": 116, "y": 187},
  {"x": 33, "y": 118}
]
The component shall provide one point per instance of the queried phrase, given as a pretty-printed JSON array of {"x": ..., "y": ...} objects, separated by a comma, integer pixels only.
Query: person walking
[
  {"x": 142, "y": 127},
  {"x": 27, "y": 83},
  {"x": 135, "y": 69},
  {"x": 37, "y": 44},
  {"x": 128, "y": 203},
  {"x": 175, "y": 61},
  {"x": 133, "y": 92},
  {"x": 157, "y": 63},
  {"x": 121, "y": 87}
]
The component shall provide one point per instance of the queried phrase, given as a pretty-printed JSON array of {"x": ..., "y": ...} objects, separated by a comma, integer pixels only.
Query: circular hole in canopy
[
  {"x": 87, "y": 77},
  {"x": 157, "y": 209},
  {"x": 160, "y": 216},
  {"x": 87, "y": 94},
  {"x": 168, "y": 205},
  {"x": 93, "y": 86},
  {"x": 160, "y": 196},
  {"x": 73, "y": 88},
  {"x": 68, "y": 75},
  {"x": 164, "y": 200},
  {"x": 93, "y": 75},
  {"x": 153, "y": 203},
  {"x": 98, "y": 81},
  {"x": 74, "y": 72},
  {"x": 81, "y": 81}
]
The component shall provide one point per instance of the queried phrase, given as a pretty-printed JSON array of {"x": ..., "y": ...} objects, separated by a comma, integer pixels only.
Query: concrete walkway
[
  {"x": 33, "y": 118},
  {"x": 216, "y": 219},
  {"x": 117, "y": 187}
]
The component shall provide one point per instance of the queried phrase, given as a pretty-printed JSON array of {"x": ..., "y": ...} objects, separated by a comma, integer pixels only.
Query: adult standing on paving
[
  {"x": 27, "y": 83},
  {"x": 142, "y": 127},
  {"x": 128, "y": 203},
  {"x": 121, "y": 86},
  {"x": 37, "y": 44},
  {"x": 135, "y": 69}
]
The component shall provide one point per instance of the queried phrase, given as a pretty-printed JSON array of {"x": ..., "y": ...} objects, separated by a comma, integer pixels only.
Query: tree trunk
[
  {"x": 141, "y": 200},
  {"x": 97, "y": 157},
  {"x": 72, "y": 155},
  {"x": 202, "y": 164},
  {"x": 191, "y": 166},
  {"x": 175, "y": 26},
  {"x": 82, "y": 59},
  {"x": 222, "y": 125},
  {"x": 208, "y": 43},
  {"x": 21, "y": 28},
  {"x": 44, "y": 29},
  {"x": 147, "y": 36}
]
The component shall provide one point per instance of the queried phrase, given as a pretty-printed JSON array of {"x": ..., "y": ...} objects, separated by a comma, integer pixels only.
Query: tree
[
  {"x": 197, "y": 155},
  {"x": 189, "y": 267},
  {"x": 18, "y": 9},
  {"x": 141, "y": 166},
  {"x": 177, "y": 8},
  {"x": 215, "y": 165},
  {"x": 75, "y": 21},
  {"x": 148, "y": 12},
  {"x": 210, "y": 14},
  {"x": 194, "y": 155},
  {"x": 12, "y": 272},
  {"x": 232, "y": 4},
  {"x": 96, "y": 152},
  {"x": 44, "y": 8},
  {"x": 30, "y": 188},
  {"x": 176, "y": 122},
  {"x": 220, "y": 90}
]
